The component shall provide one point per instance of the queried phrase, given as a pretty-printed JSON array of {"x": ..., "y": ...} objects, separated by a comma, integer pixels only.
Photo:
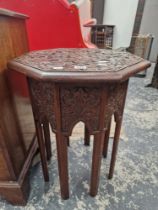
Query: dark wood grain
[
  {"x": 42, "y": 150},
  {"x": 15, "y": 156},
  {"x": 64, "y": 97},
  {"x": 61, "y": 142},
  {"x": 96, "y": 65},
  {"x": 47, "y": 139},
  {"x": 106, "y": 140},
  {"x": 86, "y": 137}
]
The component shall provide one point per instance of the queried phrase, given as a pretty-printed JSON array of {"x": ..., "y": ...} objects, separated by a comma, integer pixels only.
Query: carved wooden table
[{"x": 72, "y": 85}]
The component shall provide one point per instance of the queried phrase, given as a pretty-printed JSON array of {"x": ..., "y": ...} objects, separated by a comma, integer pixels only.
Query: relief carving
[
  {"x": 43, "y": 101},
  {"x": 76, "y": 104},
  {"x": 116, "y": 100},
  {"x": 80, "y": 104}
]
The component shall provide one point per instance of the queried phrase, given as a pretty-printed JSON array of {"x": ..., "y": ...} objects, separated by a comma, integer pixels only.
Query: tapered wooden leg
[
  {"x": 42, "y": 150},
  {"x": 68, "y": 140},
  {"x": 96, "y": 162},
  {"x": 106, "y": 140},
  {"x": 115, "y": 147},
  {"x": 62, "y": 165},
  {"x": 47, "y": 139},
  {"x": 86, "y": 137}
]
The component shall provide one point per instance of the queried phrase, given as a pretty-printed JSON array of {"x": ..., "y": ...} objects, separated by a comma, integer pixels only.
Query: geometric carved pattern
[{"x": 80, "y": 104}]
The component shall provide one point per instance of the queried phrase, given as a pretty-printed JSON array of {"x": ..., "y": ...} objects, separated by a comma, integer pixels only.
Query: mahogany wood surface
[
  {"x": 106, "y": 140},
  {"x": 15, "y": 152},
  {"x": 79, "y": 65},
  {"x": 86, "y": 137},
  {"x": 71, "y": 85}
]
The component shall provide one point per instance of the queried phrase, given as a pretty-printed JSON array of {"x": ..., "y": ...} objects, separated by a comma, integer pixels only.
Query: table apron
[{"x": 63, "y": 105}]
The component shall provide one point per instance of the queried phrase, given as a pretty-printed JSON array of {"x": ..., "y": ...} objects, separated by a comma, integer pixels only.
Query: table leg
[
  {"x": 96, "y": 162},
  {"x": 68, "y": 140},
  {"x": 115, "y": 147},
  {"x": 106, "y": 140},
  {"x": 86, "y": 137},
  {"x": 62, "y": 164},
  {"x": 42, "y": 150},
  {"x": 47, "y": 139}
]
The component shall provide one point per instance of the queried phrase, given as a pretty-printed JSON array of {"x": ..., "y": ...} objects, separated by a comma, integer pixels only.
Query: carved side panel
[
  {"x": 43, "y": 101},
  {"x": 116, "y": 100},
  {"x": 80, "y": 104},
  {"x": 77, "y": 103}
]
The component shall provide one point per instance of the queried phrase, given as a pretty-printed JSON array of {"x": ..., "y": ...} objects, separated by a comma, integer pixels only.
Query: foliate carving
[
  {"x": 43, "y": 101},
  {"x": 116, "y": 100},
  {"x": 83, "y": 59},
  {"x": 77, "y": 104},
  {"x": 80, "y": 104}
]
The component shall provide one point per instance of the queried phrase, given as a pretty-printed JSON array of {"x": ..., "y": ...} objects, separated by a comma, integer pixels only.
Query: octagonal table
[{"x": 71, "y": 85}]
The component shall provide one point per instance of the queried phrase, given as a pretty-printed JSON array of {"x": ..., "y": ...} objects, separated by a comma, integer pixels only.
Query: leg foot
[
  {"x": 68, "y": 140},
  {"x": 96, "y": 162},
  {"x": 62, "y": 165},
  {"x": 47, "y": 139},
  {"x": 106, "y": 140},
  {"x": 42, "y": 150},
  {"x": 86, "y": 137},
  {"x": 115, "y": 147}
]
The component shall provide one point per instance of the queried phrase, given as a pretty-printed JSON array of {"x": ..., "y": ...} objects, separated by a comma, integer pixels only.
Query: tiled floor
[{"x": 135, "y": 182}]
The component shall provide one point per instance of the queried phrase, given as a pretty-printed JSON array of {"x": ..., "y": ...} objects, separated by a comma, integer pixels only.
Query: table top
[{"x": 73, "y": 64}]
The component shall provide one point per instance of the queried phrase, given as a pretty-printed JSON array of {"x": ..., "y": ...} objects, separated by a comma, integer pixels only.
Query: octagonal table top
[{"x": 74, "y": 64}]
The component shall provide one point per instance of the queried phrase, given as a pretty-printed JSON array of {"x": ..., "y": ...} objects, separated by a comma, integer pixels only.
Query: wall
[
  {"x": 149, "y": 25},
  {"x": 98, "y": 6},
  {"x": 122, "y": 14}
]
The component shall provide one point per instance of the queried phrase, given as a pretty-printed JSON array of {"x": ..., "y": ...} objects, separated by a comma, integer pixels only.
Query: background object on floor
[
  {"x": 102, "y": 35},
  {"x": 142, "y": 47}
]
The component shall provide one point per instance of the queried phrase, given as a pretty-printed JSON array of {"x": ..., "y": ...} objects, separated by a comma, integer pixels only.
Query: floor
[{"x": 135, "y": 182}]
